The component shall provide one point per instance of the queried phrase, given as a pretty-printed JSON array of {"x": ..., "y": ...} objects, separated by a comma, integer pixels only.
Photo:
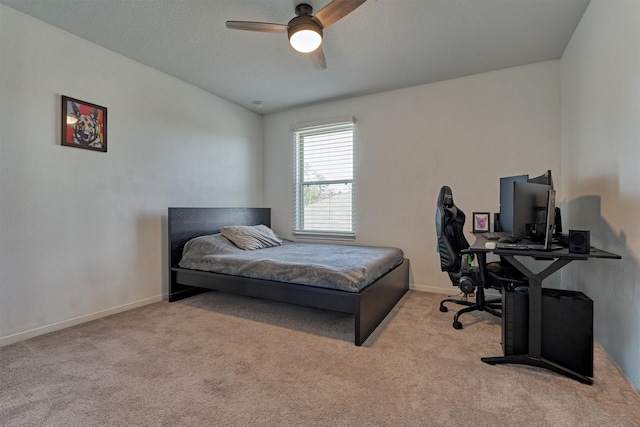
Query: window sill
[{"x": 325, "y": 235}]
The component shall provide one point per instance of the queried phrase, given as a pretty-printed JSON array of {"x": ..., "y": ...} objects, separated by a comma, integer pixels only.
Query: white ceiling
[{"x": 382, "y": 45}]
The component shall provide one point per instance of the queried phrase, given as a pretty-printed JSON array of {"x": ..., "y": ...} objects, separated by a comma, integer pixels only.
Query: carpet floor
[{"x": 225, "y": 360}]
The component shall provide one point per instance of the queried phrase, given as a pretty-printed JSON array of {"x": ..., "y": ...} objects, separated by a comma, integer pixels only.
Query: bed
[{"x": 369, "y": 305}]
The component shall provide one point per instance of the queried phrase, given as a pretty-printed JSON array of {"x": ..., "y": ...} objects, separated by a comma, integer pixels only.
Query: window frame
[{"x": 308, "y": 129}]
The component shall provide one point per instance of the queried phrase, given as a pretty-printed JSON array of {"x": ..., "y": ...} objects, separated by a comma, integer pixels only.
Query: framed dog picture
[
  {"x": 480, "y": 222},
  {"x": 84, "y": 125}
]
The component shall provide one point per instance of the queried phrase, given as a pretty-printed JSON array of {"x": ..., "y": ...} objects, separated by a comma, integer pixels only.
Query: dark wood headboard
[{"x": 187, "y": 223}]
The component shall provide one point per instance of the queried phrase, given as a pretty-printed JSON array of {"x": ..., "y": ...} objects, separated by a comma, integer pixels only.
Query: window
[{"x": 324, "y": 199}]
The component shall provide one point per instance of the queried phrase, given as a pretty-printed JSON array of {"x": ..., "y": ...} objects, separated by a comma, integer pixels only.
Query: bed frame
[{"x": 369, "y": 306}]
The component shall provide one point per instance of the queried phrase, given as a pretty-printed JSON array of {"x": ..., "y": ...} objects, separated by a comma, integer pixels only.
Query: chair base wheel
[{"x": 491, "y": 306}]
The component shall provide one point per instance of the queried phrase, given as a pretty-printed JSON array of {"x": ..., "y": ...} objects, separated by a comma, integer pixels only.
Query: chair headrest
[
  {"x": 445, "y": 202},
  {"x": 446, "y": 196}
]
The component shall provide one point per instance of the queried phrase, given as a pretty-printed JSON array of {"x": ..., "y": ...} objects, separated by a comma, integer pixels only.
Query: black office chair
[{"x": 451, "y": 242}]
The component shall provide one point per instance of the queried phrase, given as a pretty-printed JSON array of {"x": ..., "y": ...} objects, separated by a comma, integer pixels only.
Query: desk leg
[{"x": 534, "y": 355}]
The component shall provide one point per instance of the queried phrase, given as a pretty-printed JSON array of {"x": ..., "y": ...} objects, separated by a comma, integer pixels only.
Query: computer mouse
[
  {"x": 508, "y": 239},
  {"x": 490, "y": 245}
]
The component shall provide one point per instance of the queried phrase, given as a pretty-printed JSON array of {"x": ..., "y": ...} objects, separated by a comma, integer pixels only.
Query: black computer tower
[{"x": 567, "y": 327}]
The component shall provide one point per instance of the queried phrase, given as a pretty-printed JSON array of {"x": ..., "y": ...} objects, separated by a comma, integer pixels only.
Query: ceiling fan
[{"x": 305, "y": 30}]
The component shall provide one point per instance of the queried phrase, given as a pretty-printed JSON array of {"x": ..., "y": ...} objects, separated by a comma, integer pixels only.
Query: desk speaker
[{"x": 579, "y": 241}]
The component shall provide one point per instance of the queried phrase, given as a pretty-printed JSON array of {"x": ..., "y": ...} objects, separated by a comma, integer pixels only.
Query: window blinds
[{"x": 324, "y": 199}]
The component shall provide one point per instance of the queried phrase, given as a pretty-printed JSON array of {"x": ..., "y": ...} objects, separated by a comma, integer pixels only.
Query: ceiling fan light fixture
[
  {"x": 305, "y": 30},
  {"x": 306, "y": 36}
]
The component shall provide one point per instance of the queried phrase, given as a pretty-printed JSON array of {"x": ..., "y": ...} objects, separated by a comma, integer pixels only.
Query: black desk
[{"x": 559, "y": 258}]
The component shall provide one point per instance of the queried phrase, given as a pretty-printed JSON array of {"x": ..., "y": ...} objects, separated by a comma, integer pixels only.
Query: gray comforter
[{"x": 344, "y": 267}]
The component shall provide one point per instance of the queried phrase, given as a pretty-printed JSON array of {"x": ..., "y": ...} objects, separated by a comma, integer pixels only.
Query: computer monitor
[
  {"x": 549, "y": 226},
  {"x": 506, "y": 201},
  {"x": 530, "y": 210},
  {"x": 558, "y": 223},
  {"x": 550, "y": 223},
  {"x": 545, "y": 178}
]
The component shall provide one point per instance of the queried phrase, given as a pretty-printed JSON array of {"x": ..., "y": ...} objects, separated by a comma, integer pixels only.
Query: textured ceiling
[{"x": 382, "y": 45}]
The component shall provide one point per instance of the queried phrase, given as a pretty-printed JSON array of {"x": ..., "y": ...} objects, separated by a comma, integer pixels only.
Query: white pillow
[{"x": 250, "y": 237}]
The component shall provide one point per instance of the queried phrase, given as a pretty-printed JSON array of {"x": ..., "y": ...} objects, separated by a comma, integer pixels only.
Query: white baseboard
[
  {"x": 433, "y": 289},
  {"x": 21, "y": 336},
  {"x": 492, "y": 293}
]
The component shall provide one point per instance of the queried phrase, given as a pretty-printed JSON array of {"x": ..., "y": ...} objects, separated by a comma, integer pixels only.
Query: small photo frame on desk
[{"x": 481, "y": 222}]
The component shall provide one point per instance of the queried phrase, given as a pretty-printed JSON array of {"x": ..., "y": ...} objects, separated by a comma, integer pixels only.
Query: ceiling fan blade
[
  {"x": 264, "y": 27},
  {"x": 317, "y": 56},
  {"x": 336, "y": 10}
]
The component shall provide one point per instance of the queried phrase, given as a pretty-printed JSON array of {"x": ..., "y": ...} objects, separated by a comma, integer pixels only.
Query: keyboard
[
  {"x": 495, "y": 235},
  {"x": 513, "y": 246},
  {"x": 527, "y": 246}
]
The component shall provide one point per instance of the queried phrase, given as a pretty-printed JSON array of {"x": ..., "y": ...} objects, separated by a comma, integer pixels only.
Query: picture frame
[
  {"x": 84, "y": 125},
  {"x": 481, "y": 222}
]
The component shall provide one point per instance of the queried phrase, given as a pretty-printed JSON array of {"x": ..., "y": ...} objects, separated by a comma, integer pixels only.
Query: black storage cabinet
[{"x": 567, "y": 327}]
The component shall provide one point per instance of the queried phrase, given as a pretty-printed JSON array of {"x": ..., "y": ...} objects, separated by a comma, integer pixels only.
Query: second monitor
[{"x": 534, "y": 213}]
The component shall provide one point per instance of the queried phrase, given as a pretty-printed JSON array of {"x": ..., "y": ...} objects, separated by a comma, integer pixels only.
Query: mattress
[{"x": 343, "y": 267}]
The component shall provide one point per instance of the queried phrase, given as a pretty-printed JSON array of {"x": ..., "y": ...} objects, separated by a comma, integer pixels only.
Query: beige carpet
[{"x": 221, "y": 360}]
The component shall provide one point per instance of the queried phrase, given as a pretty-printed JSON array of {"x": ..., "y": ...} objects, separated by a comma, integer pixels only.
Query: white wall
[
  {"x": 464, "y": 133},
  {"x": 601, "y": 172},
  {"x": 81, "y": 231}
]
